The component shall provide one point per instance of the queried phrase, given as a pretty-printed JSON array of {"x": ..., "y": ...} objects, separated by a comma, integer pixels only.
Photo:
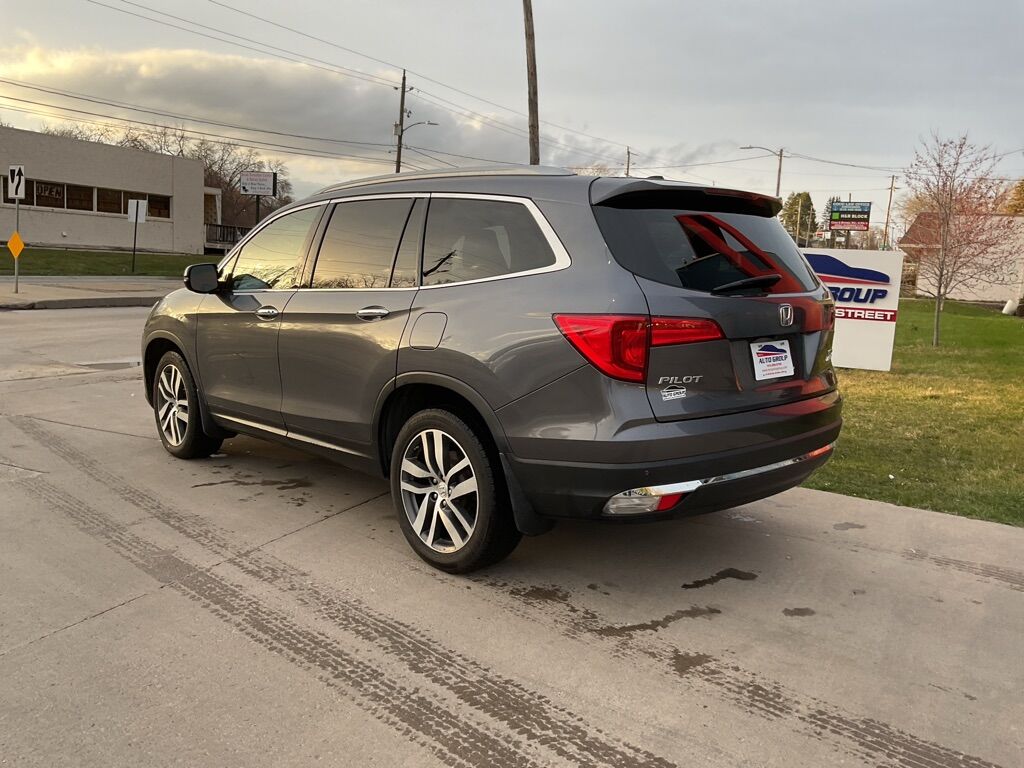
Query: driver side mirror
[{"x": 202, "y": 278}]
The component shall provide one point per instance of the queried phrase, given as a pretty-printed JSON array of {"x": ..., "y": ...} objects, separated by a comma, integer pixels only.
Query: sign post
[
  {"x": 16, "y": 192},
  {"x": 136, "y": 213},
  {"x": 258, "y": 184}
]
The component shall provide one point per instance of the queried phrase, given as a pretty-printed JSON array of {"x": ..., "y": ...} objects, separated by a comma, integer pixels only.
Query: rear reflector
[{"x": 617, "y": 345}]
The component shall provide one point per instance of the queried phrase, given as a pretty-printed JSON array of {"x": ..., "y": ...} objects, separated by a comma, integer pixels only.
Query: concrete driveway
[{"x": 262, "y": 608}]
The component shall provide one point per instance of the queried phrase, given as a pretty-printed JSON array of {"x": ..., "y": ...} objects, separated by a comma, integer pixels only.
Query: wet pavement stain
[
  {"x": 725, "y": 573},
  {"x": 694, "y": 612},
  {"x": 597, "y": 588},
  {"x": 847, "y": 526},
  {"x": 798, "y": 611},
  {"x": 683, "y": 663},
  {"x": 286, "y": 484}
]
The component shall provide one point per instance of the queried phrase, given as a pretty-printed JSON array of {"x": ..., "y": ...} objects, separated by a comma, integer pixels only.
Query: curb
[{"x": 82, "y": 303}]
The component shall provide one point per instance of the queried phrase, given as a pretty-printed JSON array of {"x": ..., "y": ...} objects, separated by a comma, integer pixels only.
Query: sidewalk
[{"x": 76, "y": 292}]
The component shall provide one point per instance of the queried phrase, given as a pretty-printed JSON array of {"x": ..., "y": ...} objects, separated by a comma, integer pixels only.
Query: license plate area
[{"x": 772, "y": 359}]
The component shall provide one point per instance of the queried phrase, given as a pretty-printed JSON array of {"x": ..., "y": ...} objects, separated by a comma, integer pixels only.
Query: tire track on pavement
[
  {"x": 522, "y": 711},
  {"x": 869, "y": 739}
]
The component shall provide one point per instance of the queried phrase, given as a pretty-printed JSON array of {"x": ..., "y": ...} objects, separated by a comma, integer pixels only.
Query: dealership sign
[
  {"x": 850, "y": 216},
  {"x": 866, "y": 289}
]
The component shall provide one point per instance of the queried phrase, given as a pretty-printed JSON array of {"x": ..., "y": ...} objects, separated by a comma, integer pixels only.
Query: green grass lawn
[
  {"x": 943, "y": 430},
  {"x": 46, "y": 261}
]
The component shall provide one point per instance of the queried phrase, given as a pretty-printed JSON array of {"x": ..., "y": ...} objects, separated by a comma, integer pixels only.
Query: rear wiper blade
[{"x": 761, "y": 281}]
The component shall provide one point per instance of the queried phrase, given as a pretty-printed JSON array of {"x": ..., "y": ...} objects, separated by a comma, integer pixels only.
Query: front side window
[
  {"x": 359, "y": 245},
  {"x": 476, "y": 239},
  {"x": 271, "y": 257}
]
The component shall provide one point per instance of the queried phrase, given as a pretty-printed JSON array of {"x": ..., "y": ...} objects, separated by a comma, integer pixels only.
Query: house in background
[
  {"x": 77, "y": 195},
  {"x": 924, "y": 236}
]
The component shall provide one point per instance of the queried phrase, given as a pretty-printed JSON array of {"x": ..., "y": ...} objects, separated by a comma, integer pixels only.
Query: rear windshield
[{"x": 701, "y": 250}]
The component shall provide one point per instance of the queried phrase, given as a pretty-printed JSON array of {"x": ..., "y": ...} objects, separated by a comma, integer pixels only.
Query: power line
[
  {"x": 334, "y": 68},
  {"x": 268, "y": 146},
  {"x": 420, "y": 75}
]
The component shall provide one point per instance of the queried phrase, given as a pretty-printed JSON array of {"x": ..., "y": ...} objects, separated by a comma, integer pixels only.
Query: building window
[
  {"x": 108, "y": 200},
  {"x": 159, "y": 207},
  {"x": 30, "y": 192},
  {"x": 49, "y": 195},
  {"x": 79, "y": 198},
  {"x": 131, "y": 196}
]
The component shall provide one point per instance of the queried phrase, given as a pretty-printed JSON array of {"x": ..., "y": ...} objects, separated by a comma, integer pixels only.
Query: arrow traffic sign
[
  {"x": 15, "y": 245},
  {"x": 16, "y": 182}
]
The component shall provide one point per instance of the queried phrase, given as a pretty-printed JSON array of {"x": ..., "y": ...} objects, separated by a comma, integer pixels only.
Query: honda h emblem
[{"x": 785, "y": 314}]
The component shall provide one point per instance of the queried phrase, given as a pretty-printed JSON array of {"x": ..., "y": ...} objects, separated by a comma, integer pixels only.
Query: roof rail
[{"x": 483, "y": 170}]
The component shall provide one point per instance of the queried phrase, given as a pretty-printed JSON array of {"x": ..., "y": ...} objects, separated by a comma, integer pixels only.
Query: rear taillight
[
  {"x": 666, "y": 331},
  {"x": 617, "y": 345}
]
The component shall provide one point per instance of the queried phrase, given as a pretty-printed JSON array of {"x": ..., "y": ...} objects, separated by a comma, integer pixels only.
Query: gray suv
[{"x": 511, "y": 346}]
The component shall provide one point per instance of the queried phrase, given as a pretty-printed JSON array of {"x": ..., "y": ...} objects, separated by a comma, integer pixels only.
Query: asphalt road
[{"x": 261, "y": 608}]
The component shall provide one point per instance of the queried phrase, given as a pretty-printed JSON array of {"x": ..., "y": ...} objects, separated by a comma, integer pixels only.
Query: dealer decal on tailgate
[{"x": 772, "y": 359}]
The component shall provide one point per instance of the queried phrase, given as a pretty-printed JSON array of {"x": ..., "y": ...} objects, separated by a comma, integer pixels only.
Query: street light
[
  {"x": 778, "y": 176},
  {"x": 400, "y": 131}
]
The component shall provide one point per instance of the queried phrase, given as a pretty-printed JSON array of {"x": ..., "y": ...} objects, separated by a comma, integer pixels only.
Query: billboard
[
  {"x": 260, "y": 183},
  {"x": 866, "y": 288},
  {"x": 850, "y": 216}
]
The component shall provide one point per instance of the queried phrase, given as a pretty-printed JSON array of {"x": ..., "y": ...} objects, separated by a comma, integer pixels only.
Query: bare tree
[{"x": 959, "y": 238}]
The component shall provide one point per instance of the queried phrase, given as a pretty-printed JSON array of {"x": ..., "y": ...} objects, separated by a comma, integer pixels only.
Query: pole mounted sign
[
  {"x": 866, "y": 288},
  {"x": 850, "y": 216},
  {"x": 16, "y": 182},
  {"x": 258, "y": 183}
]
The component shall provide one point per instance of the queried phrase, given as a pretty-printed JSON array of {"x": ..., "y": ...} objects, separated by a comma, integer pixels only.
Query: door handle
[
  {"x": 267, "y": 313},
  {"x": 372, "y": 313}
]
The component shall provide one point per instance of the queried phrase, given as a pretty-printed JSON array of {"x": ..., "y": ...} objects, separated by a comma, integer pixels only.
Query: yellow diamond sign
[{"x": 15, "y": 245}]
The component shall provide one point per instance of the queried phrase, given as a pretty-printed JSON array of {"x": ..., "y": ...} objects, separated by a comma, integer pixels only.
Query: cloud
[{"x": 302, "y": 100}]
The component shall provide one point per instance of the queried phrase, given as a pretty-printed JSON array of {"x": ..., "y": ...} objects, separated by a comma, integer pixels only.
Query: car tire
[
  {"x": 177, "y": 412},
  {"x": 450, "y": 495}
]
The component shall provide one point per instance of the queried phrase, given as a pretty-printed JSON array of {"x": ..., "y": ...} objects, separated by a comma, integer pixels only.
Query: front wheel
[
  {"x": 453, "y": 510},
  {"x": 176, "y": 408}
]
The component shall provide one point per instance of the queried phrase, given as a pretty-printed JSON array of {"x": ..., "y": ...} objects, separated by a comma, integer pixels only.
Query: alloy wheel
[
  {"x": 439, "y": 491},
  {"x": 172, "y": 404}
]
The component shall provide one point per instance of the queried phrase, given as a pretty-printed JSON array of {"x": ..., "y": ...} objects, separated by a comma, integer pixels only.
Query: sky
[{"x": 683, "y": 84}]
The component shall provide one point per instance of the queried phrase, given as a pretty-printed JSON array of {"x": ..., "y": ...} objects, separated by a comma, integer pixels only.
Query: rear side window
[
  {"x": 270, "y": 259},
  {"x": 701, "y": 250},
  {"x": 358, "y": 249},
  {"x": 476, "y": 239}
]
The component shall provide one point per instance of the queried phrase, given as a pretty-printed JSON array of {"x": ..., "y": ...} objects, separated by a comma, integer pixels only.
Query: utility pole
[
  {"x": 400, "y": 126},
  {"x": 628, "y": 158},
  {"x": 799, "y": 212},
  {"x": 778, "y": 174},
  {"x": 888, "y": 211},
  {"x": 531, "y": 78}
]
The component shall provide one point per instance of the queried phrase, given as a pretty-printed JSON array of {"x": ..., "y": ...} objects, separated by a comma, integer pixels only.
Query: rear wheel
[
  {"x": 176, "y": 409},
  {"x": 453, "y": 509}
]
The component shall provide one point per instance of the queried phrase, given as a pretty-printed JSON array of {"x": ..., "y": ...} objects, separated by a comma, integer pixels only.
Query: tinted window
[
  {"x": 699, "y": 249},
  {"x": 271, "y": 258},
  {"x": 474, "y": 239},
  {"x": 407, "y": 263},
  {"x": 49, "y": 195},
  {"x": 108, "y": 200},
  {"x": 359, "y": 245},
  {"x": 159, "y": 207},
  {"x": 79, "y": 198}
]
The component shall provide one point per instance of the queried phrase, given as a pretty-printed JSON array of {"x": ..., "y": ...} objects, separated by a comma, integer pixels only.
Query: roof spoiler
[{"x": 605, "y": 189}]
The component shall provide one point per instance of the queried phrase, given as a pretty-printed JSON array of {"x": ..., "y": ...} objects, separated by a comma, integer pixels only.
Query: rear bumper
[{"x": 763, "y": 467}]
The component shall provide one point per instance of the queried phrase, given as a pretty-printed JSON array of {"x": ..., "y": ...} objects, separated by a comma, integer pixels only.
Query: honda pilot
[{"x": 509, "y": 347}]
